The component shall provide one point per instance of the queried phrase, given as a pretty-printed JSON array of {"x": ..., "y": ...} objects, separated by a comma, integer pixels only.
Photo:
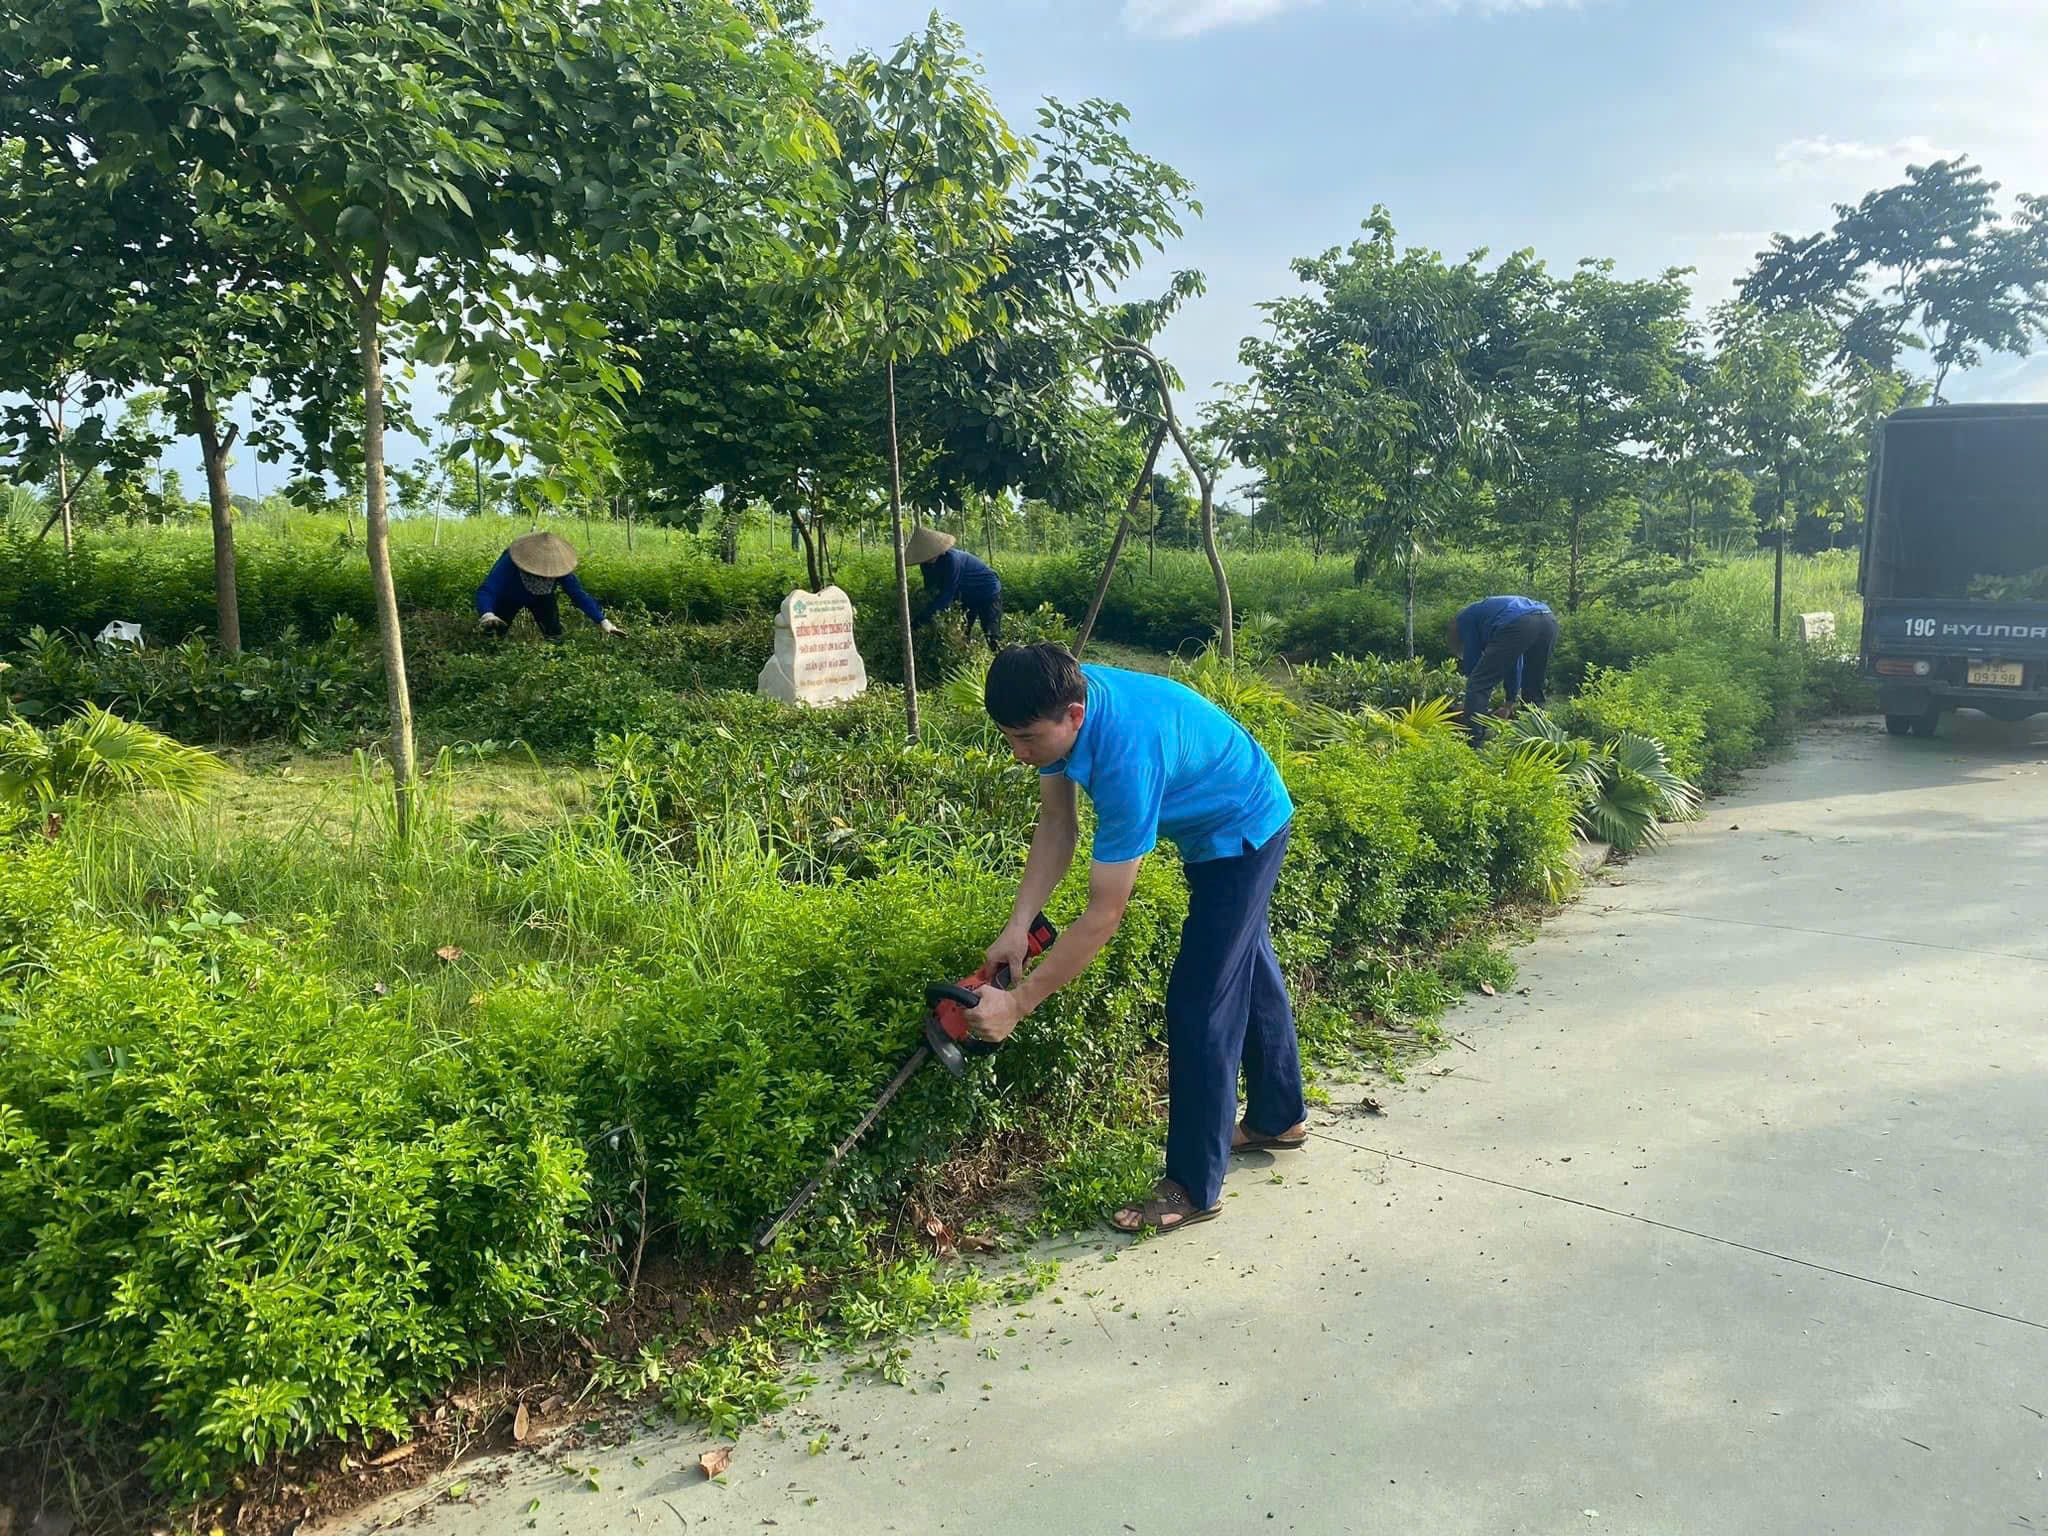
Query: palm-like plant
[
  {"x": 1408, "y": 725},
  {"x": 1626, "y": 788},
  {"x": 95, "y": 756}
]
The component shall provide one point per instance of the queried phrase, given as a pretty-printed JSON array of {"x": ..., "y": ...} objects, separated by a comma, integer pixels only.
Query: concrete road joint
[
  {"x": 1833, "y": 933},
  {"x": 1705, "y": 1237}
]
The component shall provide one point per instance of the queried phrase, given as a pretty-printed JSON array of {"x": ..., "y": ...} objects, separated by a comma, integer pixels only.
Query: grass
[
  {"x": 273, "y": 789},
  {"x": 489, "y": 872}
]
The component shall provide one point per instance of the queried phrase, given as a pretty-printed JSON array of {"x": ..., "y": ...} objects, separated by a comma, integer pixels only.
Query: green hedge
[
  {"x": 247, "y": 1201},
  {"x": 165, "y": 583}
]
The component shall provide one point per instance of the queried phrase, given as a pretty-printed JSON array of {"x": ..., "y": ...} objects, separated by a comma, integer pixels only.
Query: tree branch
[{"x": 320, "y": 241}]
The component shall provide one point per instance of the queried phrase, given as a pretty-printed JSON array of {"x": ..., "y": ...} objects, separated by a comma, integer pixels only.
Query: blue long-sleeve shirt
[
  {"x": 957, "y": 576},
  {"x": 504, "y": 592},
  {"x": 1481, "y": 621}
]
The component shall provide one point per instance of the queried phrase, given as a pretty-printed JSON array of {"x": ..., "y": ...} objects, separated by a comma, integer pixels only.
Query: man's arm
[
  {"x": 1468, "y": 631},
  {"x": 1109, "y": 892},
  {"x": 939, "y": 594},
  {"x": 489, "y": 595},
  {"x": 582, "y": 599},
  {"x": 1052, "y": 852}
]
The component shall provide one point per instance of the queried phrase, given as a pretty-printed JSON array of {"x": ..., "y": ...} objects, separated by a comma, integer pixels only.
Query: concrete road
[{"x": 1729, "y": 1221}]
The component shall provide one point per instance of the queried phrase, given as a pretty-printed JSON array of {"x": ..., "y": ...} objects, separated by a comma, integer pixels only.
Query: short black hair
[{"x": 1029, "y": 683}]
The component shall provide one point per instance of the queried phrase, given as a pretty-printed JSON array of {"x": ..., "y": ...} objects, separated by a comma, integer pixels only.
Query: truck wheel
[
  {"x": 1900, "y": 725},
  {"x": 1927, "y": 724}
]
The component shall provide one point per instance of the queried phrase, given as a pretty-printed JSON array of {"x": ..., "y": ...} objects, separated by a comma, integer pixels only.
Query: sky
[{"x": 1660, "y": 133}]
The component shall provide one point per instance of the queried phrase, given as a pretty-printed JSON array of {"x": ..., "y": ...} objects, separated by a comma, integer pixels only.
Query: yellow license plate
[{"x": 2002, "y": 674}]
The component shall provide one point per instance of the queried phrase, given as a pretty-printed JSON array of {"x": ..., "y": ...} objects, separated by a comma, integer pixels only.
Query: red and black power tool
[{"x": 946, "y": 1036}]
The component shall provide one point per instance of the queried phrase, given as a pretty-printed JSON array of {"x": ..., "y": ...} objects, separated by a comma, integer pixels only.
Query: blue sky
[{"x": 1658, "y": 132}]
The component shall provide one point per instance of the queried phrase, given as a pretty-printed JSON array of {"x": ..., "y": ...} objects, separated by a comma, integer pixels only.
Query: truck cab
[{"x": 1955, "y": 564}]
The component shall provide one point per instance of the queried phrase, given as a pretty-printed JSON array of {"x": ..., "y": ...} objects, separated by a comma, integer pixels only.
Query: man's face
[{"x": 1044, "y": 742}]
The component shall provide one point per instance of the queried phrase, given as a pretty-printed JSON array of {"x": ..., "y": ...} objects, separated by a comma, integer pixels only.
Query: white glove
[
  {"x": 606, "y": 626},
  {"x": 490, "y": 621}
]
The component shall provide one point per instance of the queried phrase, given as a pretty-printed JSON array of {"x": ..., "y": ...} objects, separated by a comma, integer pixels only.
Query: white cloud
[
  {"x": 1186, "y": 18},
  {"x": 1799, "y": 157},
  {"x": 1189, "y": 18}
]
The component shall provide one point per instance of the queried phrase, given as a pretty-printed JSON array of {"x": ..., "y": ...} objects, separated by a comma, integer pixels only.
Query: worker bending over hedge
[{"x": 1159, "y": 760}]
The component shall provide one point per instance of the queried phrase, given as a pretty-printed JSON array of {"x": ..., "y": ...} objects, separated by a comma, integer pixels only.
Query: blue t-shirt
[{"x": 1159, "y": 760}]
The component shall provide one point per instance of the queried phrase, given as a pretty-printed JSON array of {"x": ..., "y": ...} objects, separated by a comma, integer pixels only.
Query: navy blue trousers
[{"x": 1226, "y": 1009}]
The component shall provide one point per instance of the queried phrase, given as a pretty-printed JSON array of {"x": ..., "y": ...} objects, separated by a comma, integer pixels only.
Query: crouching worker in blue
[
  {"x": 526, "y": 579},
  {"x": 1159, "y": 760},
  {"x": 953, "y": 575},
  {"x": 1502, "y": 640}
]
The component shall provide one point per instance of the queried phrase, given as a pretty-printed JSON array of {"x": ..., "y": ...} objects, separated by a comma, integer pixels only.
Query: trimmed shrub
[{"x": 245, "y": 1210}]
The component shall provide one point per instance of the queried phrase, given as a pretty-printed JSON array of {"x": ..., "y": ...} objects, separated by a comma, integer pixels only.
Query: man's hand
[
  {"x": 1012, "y": 948},
  {"x": 607, "y": 627},
  {"x": 490, "y": 621},
  {"x": 998, "y": 1015}
]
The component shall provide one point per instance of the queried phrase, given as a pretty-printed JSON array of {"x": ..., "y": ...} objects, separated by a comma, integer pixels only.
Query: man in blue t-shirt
[
  {"x": 1159, "y": 760},
  {"x": 1502, "y": 640},
  {"x": 954, "y": 576}
]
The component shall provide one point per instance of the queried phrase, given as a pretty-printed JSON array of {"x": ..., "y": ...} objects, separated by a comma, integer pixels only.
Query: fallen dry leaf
[
  {"x": 392, "y": 1457},
  {"x": 521, "y": 1426},
  {"x": 450, "y": 952},
  {"x": 716, "y": 1460},
  {"x": 1487, "y": 988},
  {"x": 974, "y": 1242},
  {"x": 1371, "y": 1106}
]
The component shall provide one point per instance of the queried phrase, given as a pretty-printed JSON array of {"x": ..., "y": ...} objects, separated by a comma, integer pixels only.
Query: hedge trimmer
[{"x": 946, "y": 1037}]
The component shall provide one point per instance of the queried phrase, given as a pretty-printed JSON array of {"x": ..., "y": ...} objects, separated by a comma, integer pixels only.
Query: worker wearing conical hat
[
  {"x": 526, "y": 579},
  {"x": 952, "y": 575}
]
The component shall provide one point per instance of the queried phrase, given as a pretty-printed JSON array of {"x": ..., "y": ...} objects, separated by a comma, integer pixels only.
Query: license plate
[{"x": 2003, "y": 674}]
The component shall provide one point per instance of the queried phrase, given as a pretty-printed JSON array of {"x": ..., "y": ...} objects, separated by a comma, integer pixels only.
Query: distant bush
[{"x": 1350, "y": 684}]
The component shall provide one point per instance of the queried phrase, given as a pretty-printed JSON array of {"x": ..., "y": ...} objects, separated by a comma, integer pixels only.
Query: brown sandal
[
  {"x": 1168, "y": 1200},
  {"x": 1259, "y": 1141}
]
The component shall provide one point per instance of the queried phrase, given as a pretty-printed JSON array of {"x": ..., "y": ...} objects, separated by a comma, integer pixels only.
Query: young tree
[
  {"x": 1954, "y": 277},
  {"x": 458, "y": 157},
  {"x": 1693, "y": 439},
  {"x": 1782, "y": 417},
  {"x": 1403, "y": 334},
  {"x": 926, "y": 164},
  {"x": 1597, "y": 366}
]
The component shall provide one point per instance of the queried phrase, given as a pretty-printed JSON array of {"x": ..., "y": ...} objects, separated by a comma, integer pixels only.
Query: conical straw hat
[
  {"x": 925, "y": 544},
  {"x": 547, "y": 555}
]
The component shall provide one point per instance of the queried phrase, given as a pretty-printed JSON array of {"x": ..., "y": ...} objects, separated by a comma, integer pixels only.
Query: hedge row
[{"x": 246, "y": 1201}]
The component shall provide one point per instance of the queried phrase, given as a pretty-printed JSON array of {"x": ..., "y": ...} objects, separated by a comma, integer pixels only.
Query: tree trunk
[
  {"x": 1691, "y": 522},
  {"x": 1226, "y": 613},
  {"x": 1411, "y": 592},
  {"x": 1778, "y": 563},
  {"x": 798, "y": 529},
  {"x": 731, "y": 511},
  {"x": 902, "y": 570},
  {"x": 377, "y": 531},
  {"x": 1571, "y": 599},
  {"x": 1116, "y": 545},
  {"x": 213, "y": 450},
  {"x": 624, "y": 503}
]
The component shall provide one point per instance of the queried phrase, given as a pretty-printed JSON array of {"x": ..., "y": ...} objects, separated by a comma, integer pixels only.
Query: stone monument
[
  {"x": 1816, "y": 628},
  {"x": 815, "y": 660}
]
